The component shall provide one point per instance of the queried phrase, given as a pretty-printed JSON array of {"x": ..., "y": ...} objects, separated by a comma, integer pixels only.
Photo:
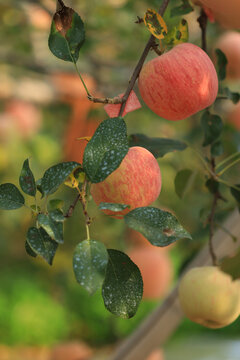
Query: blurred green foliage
[{"x": 41, "y": 305}]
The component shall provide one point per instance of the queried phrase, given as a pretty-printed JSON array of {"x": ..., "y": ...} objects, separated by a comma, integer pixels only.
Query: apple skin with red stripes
[
  {"x": 179, "y": 83},
  {"x": 136, "y": 182}
]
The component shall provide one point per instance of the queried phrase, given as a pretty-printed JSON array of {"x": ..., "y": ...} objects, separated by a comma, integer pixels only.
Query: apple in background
[
  {"x": 24, "y": 116},
  {"x": 229, "y": 43},
  {"x": 136, "y": 182},
  {"x": 156, "y": 269},
  {"x": 209, "y": 297},
  {"x": 234, "y": 116},
  {"x": 156, "y": 355},
  {"x": 179, "y": 83},
  {"x": 71, "y": 351},
  {"x": 80, "y": 124},
  {"x": 226, "y": 12}
]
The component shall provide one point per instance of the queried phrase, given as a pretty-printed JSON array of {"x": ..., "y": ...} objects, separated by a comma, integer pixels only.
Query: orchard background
[{"x": 44, "y": 109}]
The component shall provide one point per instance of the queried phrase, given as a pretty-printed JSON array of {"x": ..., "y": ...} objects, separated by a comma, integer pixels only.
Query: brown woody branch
[
  {"x": 203, "y": 20},
  {"x": 150, "y": 45},
  {"x": 72, "y": 207},
  {"x": 140, "y": 63},
  {"x": 115, "y": 100}
]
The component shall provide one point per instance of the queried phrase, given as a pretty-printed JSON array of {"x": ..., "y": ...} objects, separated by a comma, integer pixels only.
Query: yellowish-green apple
[
  {"x": 179, "y": 83},
  {"x": 226, "y": 12},
  {"x": 209, "y": 297},
  {"x": 136, "y": 182}
]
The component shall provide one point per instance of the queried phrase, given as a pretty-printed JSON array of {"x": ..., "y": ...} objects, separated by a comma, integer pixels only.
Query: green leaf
[
  {"x": 178, "y": 34},
  {"x": 26, "y": 180},
  {"x": 67, "y": 35},
  {"x": 212, "y": 126},
  {"x": 184, "y": 181},
  {"x": 55, "y": 204},
  {"x": 10, "y": 197},
  {"x": 236, "y": 193},
  {"x": 57, "y": 215},
  {"x": 233, "y": 96},
  {"x": 53, "y": 229},
  {"x": 157, "y": 146},
  {"x": 230, "y": 265},
  {"x": 221, "y": 64},
  {"x": 106, "y": 149},
  {"x": 29, "y": 250},
  {"x": 39, "y": 187},
  {"x": 212, "y": 185},
  {"x": 183, "y": 9},
  {"x": 160, "y": 227},
  {"x": 56, "y": 175},
  {"x": 90, "y": 260},
  {"x": 112, "y": 206},
  {"x": 123, "y": 287},
  {"x": 41, "y": 244},
  {"x": 217, "y": 148}
]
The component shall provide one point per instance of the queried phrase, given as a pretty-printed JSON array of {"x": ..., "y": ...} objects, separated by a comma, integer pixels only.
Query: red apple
[
  {"x": 226, "y": 12},
  {"x": 136, "y": 182},
  {"x": 229, "y": 43},
  {"x": 156, "y": 269},
  {"x": 179, "y": 83}
]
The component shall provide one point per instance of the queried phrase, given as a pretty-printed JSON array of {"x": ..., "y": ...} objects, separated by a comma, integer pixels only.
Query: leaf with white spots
[
  {"x": 57, "y": 215},
  {"x": 89, "y": 264},
  {"x": 112, "y": 206},
  {"x": 160, "y": 227},
  {"x": 106, "y": 149},
  {"x": 41, "y": 244},
  {"x": 10, "y": 197},
  {"x": 123, "y": 286},
  {"x": 26, "y": 180},
  {"x": 53, "y": 228},
  {"x": 56, "y": 175}
]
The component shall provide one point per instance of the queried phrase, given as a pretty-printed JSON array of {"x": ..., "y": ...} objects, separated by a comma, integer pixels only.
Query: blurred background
[{"x": 44, "y": 313}]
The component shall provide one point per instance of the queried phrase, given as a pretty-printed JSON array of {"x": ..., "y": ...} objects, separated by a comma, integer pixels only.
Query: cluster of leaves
[{"x": 95, "y": 266}]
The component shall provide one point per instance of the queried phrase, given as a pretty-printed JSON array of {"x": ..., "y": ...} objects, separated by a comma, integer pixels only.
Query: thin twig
[
  {"x": 115, "y": 100},
  {"x": 211, "y": 218},
  {"x": 72, "y": 207},
  {"x": 60, "y": 4},
  {"x": 228, "y": 167},
  {"x": 203, "y": 20},
  {"x": 211, "y": 231},
  {"x": 140, "y": 63}
]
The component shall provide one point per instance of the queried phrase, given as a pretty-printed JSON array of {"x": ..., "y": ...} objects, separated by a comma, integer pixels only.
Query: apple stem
[{"x": 203, "y": 20}]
